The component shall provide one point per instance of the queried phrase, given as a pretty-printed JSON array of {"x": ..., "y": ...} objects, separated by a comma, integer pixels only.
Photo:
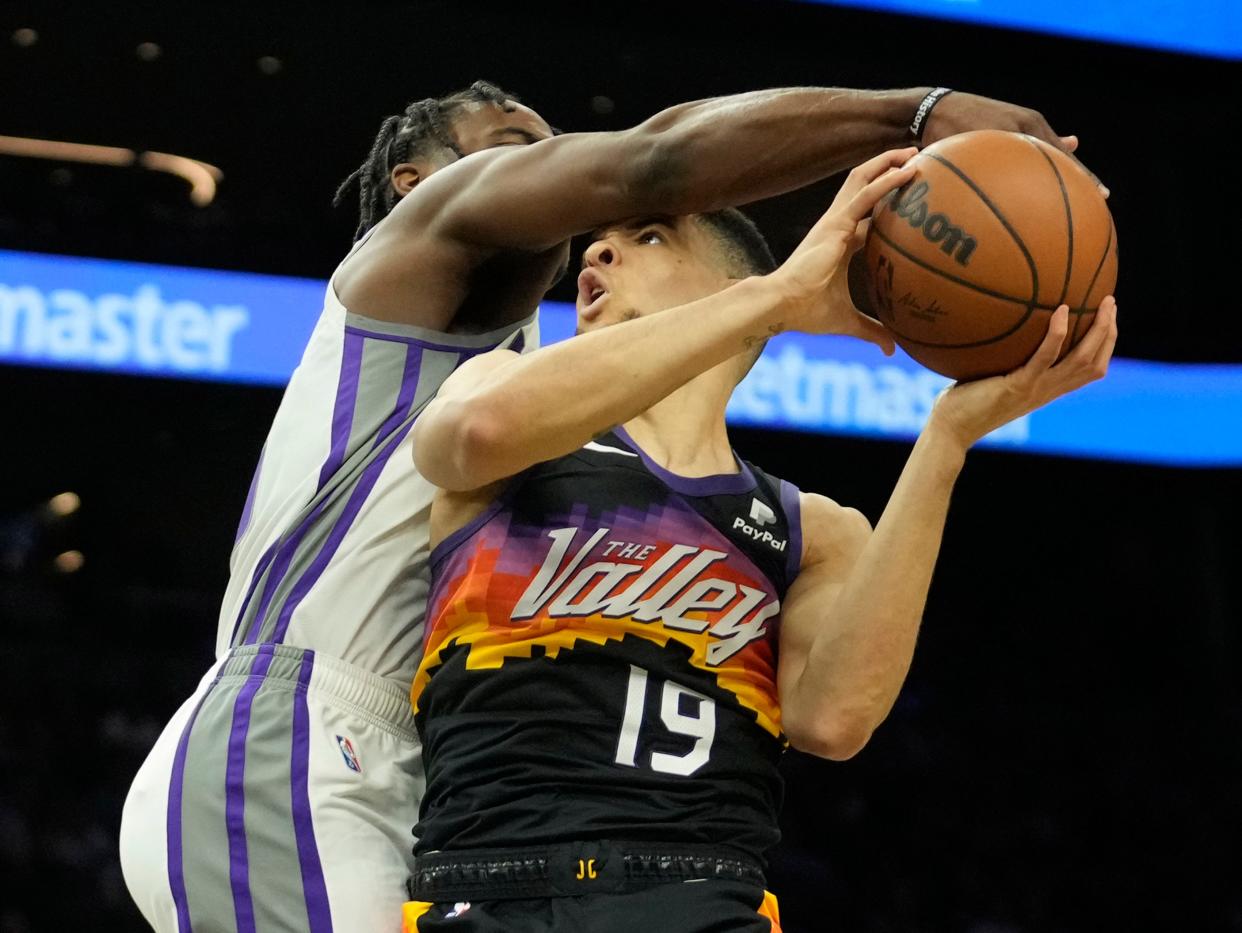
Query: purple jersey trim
[
  {"x": 791, "y": 505},
  {"x": 370, "y": 476},
  {"x": 280, "y": 566},
  {"x": 716, "y": 485},
  {"x": 248, "y": 508},
  {"x": 176, "y": 866},
  {"x": 280, "y": 556},
  {"x": 259, "y": 569},
  {"x": 235, "y": 792},
  {"x": 282, "y": 552},
  {"x": 314, "y": 889},
  {"x": 343, "y": 408},
  {"x": 424, "y": 344}
]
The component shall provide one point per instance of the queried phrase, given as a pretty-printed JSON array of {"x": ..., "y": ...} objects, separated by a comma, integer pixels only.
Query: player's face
[
  {"x": 643, "y": 266},
  {"x": 485, "y": 126}
]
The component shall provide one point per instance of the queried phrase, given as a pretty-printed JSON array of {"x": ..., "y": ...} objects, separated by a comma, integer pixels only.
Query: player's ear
[{"x": 405, "y": 176}]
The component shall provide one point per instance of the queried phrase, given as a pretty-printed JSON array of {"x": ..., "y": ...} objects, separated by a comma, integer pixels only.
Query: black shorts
[
  {"x": 590, "y": 887},
  {"x": 678, "y": 907}
]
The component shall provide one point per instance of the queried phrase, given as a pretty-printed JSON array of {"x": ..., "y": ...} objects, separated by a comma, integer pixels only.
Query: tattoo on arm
[{"x": 773, "y": 329}]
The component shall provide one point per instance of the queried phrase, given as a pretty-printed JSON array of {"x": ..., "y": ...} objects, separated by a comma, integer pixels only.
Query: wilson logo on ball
[{"x": 911, "y": 206}]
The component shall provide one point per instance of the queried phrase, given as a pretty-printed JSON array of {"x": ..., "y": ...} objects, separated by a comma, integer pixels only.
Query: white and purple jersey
[
  {"x": 332, "y": 548},
  {"x": 280, "y": 797}
]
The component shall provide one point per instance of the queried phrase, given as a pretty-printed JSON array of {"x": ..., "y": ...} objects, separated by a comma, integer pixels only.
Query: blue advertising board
[
  {"x": 1203, "y": 27},
  {"x": 59, "y": 311},
  {"x": 158, "y": 320}
]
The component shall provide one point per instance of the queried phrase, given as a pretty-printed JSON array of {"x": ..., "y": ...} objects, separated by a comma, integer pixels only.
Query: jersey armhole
[
  {"x": 455, "y": 539},
  {"x": 791, "y": 505}
]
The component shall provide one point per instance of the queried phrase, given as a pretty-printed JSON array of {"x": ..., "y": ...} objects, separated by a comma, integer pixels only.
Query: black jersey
[{"x": 600, "y": 658}]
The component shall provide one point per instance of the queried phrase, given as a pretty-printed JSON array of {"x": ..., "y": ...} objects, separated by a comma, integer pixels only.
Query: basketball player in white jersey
[{"x": 280, "y": 796}]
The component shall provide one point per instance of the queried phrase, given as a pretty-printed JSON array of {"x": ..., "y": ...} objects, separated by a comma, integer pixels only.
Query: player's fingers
[
  {"x": 1103, "y": 188},
  {"x": 1099, "y": 184},
  {"x": 873, "y": 331},
  {"x": 863, "y": 203},
  {"x": 862, "y": 175},
  {"x": 1103, "y": 356},
  {"x": 1050, "y": 348},
  {"x": 1038, "y": 127},
  {"x": 860, "y": 235},
  {"x": 876, "y": 166},
  {"x": 840, "y": 214},
  {"x": 1089, "y": 345},
  {"x": 1089, "y": 359}
]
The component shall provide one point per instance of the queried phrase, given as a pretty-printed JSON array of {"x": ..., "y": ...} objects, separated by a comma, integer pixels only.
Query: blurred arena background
[{"x": 1065, "y": 756}]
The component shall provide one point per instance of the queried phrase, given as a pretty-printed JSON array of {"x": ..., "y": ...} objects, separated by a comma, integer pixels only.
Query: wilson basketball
[{"x": 966, "y": 262}]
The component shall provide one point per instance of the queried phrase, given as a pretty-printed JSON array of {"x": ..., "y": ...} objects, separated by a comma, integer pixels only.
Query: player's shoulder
[{"x": 829, "y": 528}]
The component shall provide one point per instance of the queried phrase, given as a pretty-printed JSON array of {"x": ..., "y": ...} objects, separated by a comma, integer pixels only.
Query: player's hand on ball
[
  {"x": 814, "y": 279},
  {"x": 960, "y": 112},
  {"x": 968, "y": 411}
]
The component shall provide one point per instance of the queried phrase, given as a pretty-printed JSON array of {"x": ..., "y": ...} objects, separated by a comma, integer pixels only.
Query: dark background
[{"x": 1065, "y": 755}]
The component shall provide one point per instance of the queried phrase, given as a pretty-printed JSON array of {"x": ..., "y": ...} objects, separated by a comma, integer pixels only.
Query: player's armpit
[
  {"x": 815, "y": 718},
  {"x": 448, "y": 434}
]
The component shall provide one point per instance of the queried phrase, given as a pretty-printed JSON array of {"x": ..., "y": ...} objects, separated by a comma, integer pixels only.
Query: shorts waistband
[
  {"x": 573, "y": 869},
  {"x": 380, "y": 700}
]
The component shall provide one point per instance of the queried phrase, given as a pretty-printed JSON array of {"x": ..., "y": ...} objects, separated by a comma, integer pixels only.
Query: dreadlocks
[{"x": 424, "y": 126}]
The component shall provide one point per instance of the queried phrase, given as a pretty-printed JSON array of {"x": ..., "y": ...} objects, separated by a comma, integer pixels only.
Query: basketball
[{"x": 966, "y": 262}]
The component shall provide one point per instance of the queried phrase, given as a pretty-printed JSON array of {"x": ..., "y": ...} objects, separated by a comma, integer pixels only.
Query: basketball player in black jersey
[{"x": 600, "y": 697}]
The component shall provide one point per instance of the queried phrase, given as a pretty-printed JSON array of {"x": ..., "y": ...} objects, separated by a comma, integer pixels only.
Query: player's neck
[{"x": 685, "y": 432}]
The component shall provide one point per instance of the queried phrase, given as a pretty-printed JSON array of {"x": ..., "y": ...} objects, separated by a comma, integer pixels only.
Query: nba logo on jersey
[{"x": 348, "y": 753}]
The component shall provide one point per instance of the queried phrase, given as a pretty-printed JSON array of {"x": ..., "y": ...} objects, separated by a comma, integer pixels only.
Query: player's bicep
[
  {"x": 833, "y": 539},
  {"x": 535, "y": 197},
  {"x": 443, "y": 428}
]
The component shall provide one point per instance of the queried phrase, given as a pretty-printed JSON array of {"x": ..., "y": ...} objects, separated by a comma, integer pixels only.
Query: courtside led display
[{"x": 172, "y": 322}]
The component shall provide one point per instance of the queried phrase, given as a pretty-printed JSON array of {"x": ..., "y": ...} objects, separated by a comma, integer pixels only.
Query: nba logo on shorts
[
  {"x": 458, "y": 909},
  {"x": 348, "y": 753}
]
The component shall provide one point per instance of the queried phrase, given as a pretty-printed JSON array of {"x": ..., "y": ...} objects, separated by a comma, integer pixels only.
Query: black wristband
[{"x": 926, "y": 105}]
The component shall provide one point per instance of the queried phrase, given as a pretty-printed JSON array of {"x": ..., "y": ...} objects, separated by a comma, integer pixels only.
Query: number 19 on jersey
[{"x": 701, "y": 726}]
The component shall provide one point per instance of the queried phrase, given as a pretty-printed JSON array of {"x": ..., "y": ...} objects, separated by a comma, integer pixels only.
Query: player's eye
[{"x": 651, "y": 236}]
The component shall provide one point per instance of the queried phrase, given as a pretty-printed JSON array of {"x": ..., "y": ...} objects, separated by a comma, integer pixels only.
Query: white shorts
[{"x": 279, "y": 799}]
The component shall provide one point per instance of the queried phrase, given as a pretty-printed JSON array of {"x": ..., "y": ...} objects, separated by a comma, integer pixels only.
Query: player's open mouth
[{"x": 591, "y": 292}]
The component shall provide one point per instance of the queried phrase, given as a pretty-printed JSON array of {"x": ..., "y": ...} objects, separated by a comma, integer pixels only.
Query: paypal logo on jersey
[{"x": 761, "y": 514}]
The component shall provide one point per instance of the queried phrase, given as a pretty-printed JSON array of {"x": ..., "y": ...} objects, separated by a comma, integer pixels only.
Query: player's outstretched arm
[
  {"x": 850, "y": 619},
  {"x": 691, "y": 158},
  {"x": 479, "y": 428}
]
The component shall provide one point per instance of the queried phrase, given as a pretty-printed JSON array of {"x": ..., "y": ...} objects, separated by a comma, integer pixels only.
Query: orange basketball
[{"x": 966, "y": 262}]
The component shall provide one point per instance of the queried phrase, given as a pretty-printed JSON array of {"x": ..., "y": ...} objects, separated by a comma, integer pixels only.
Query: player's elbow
[
  {"x": 658, "y": 166},
  {"x": 460, "y": 446},
  {"x": 836, "y": 738}
]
